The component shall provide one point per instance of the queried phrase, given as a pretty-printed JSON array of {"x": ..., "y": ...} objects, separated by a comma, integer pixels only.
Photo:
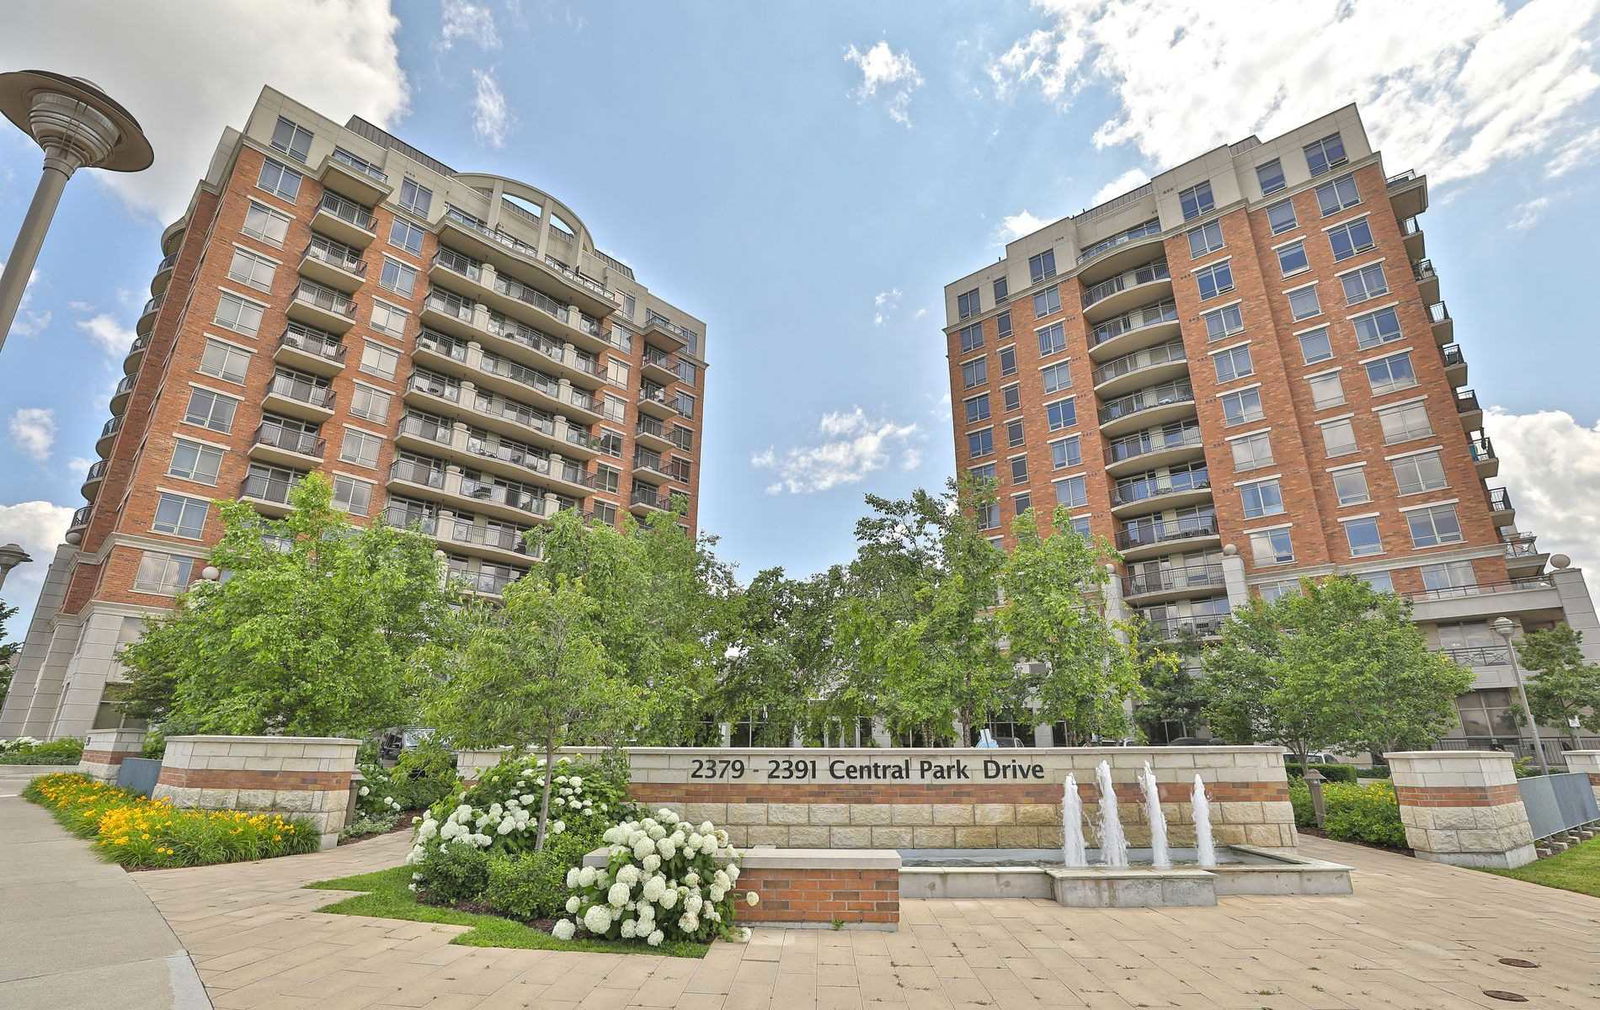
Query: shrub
[
  {"x": 139, "y": 832},
  {"x": 1366, "y": 813},
  {"x": 532, "y": 885},
  {"x": 1332, "y": 773},
  {"x": 453, "y": 873},
  {"x": 28, "y": 751},
  {"x": 155, "y": 745},
  {"x": 423, "y": 775},
  {"x": 367, "y": 825},
  {"x": 1374, "y": 772},
  {"x": 663, "y": 882}
]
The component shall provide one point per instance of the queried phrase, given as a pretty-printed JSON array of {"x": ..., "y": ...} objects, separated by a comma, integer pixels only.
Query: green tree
[
  {"x": 1086, "y": 668},
  {"x": 310, "y": 633},
  {"x": 8, "y": 651},
  {"x": 1563, "y": 686},
  {"x": 1171, "y": 691},
  {"x": 1335, "y": 665}
]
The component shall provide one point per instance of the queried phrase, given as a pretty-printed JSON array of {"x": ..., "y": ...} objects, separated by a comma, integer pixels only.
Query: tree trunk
[{"x": 544, "y": 795}]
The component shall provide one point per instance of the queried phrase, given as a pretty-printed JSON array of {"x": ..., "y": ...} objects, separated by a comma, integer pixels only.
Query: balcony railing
[
  {"x": 435, "y": 385},
  {"x": 167, "y": 262},
  {"x": 439, "y": 343},
  {"x": 111, "y": 427},
  {"x": 498, "y": 406},
  {"x": 302, "y": 391},
  {"x": 1499, "y": 499},
  {"x": 327, "y": 299},
  {"x": 97, "y": 470},
  {"x": 1158, "y": 355},
  {"x": 529, "y": 296},
  {"x": 80, "y": 518},
  {"x": 359, "y": 164},
  {"x": 460, "y": 263},
  {"x": 124, "y": 385},
  {"x": 424, "y": 426},
  {"x": 406, "y": 519},
  {"x": 1145, "y": 488},
  {"x": 1452, "y": 355},
  {"x": 152, "y": 305},
  {"x": 651, "y": 426},
  {"x": 1135, "y": 319},
  {"x": 660, "y": 359},
  {"x": 1147, "y": 534},
  {"x": 1138, "y": 231},
  {"x": 493, "y": 583},
  {"x": 268, "y": 487},
  {"x": 1172, "y": 629},
  {"x": 1438, "y": 313},
  {"x": 1482, "y": 449},
  {"x": 514, "y": 453},
  {"x": 312, "y": 341},
  {"x": 1146, "y": 399},
  {"x": 290, "y": 439},
  {"x": 1467, "y": 401},
  {"x": 1155, "y": 270},
  {"x": 1482, "y": 589},
  {"x": 1410, "y": 226},
  {"x": 348, "y": 210},
  {"x": 504, "y": 539},
  {"x": 579, "y": 279},
  {"x": 1479, "y": 655},
  {"x": 1143, "y": 443},
  {"x": 448, "y": 303},
  {"x": 335, "y": 254},
  {"x": 1520, "y": 545},
  {"x": 511, "y": 497},
  {"x": 1169, "y": 579},
  {"x": 647, "y": 496},
  {"x": 417, "y": 473},
  {"x": 1422, "y": 270}
]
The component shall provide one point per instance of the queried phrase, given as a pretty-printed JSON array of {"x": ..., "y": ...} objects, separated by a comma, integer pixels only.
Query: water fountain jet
[
  {"x": 1205, "y": 848},
  {"x": 1073, "y": 853},
  {"x": 1113, "y": 843},
  {"x": 1160, "y": 854}
]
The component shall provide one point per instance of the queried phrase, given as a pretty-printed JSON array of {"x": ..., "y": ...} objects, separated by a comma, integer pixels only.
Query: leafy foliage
[
  {"x": 1366, "y": 813},
  {"x": 533, "y": 885},
  {"x": 8, "y": 651},
  {"x": 26, "y": 751},
  {"x": 1562, "y": 686},
  {"x": 423, "y": 775}
]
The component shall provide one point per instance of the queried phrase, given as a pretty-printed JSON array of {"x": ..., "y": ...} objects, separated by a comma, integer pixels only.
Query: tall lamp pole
[
  {"x": 77, "y": 125},
  {"x": 1503, "y": 627}
]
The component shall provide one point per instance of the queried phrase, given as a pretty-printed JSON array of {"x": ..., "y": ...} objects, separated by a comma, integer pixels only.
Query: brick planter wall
[
  {"x": 294, "y": 776},
  {"x": 104, "y": 749},
  {"x": 822, "y": 896},
  {"x": 1462, "y": 807},
  {"x": 1588, "y": 762}
]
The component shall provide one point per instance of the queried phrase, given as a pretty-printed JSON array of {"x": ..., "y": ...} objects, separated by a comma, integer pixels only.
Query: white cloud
[
  {"x": 893, "y": 73},
  {"x": 1450, "y": 87},
  {"x": 1014, "y": 226},
  {"x": 33, "y": 431},
  {"x": 78, "y": 466},
  {"x": 339, "y": 58},
  {"x": 37, "y": 526},
  {"x": 461, "y": 19},
  {"x": 852, "y": 445},
  {"x": 1550, "y": 465},
  {"x": 26, "y": 322},
  {"x": 1526, "y": 215},
  {"x": 1575, "y": 153},
  {"x": 491, "y": 116},
  {"x": 109, "y": 335},
  {"x": 1133, "y": 178},
  {"x": 883, "y": 305}
]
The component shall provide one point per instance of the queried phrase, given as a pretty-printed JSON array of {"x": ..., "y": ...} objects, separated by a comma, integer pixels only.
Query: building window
[
  {"x": 1052, "y": 340},
  {"x": 195, "y": 461},
  {"x": 1062, "y": 413},
  {"x": 1422, "y": 472},
  {"x": 360, "y": 447},
  {"x": 1014, "y": 434},
  {"x": 967, "y": 304},
  {"x": 1072, "y": 492},
  {"x": 390, "y": 319},
  {"x": 1272, "y": 547},
  {"x": 1448, "y": 575},
  {"x": 1046, "y": 302},
  {"x": 1242, "y": 406},
  {"x": 1252, "y": 452},
  {"x": 1234, "y": 363},
  {"x": 607, "y": 478},
  {"x": 1338, "y": 195},
  {"x": 406, "y": 235},
  {"x": 983, "y": 474},
  {"x": 1324, "y": 155},
  {"x": 1205, "y": 239},
  {"x": 1304, "y": 303},
  {"x": 1315, "y": 345},
  {"x": 609, "y": 443},
  {"x": 1001, "y": 292},
  {"x": 280, "y": 180},
  {"x": 1280, "y": 217},
  {"x": 1270, "y": 176},
  {"x": 1065, "y": 452},
  {"x": 415, "y": 197},
  {"x": 292, "y": 139},
  {"x": 971, "y": 337},
  {"x": 265, "y": 224},
  {"x": 237, "y": 314},
  {"x": 210, "y": 410},
  {"x": 398, "y": 277},
  {"x": 224, "y": 361},
  {"x": 1041, "y": 266},
  {"x": 1056, "y": 377},
  {"x": 1381, "y": 582},
  {"x": 988, "y": 516},
  {"x": 351, "y": 495},
  {"x": 1435, "y": 525},
  {"x": 980, "y": 443},
  {"x": 977, "y": 408},
  {"x": 1338, "y": 437},
  {"x": 1019, "y": 470},
  {"x": 1021, "y": 503},
  {"x": 1363, "y": 537},
  {"x": 974, "y": 373},
  {"x": 1350, "y": 486},
  {"x": 1392, "y": 373},
  {"x": 180, "y": 516},
  {"x": 1376, "y": 328},
  {"x": 617, "y": 372},
  {"x": 1350, "y": 238},
  {"x": 1263, "y": 498},
  {"x": 252, "y": 269},
  {"x": 1214, "y": 280},
  {"x": 1367, "y": 282},
  {"x": 1223, "y": 322},
  {"x": 1326, "y": 390},
  {"x": 369, "y": 403},
  {"x": 376, "y": 359},
  {"x": 1196, "y": 200},
  {"x": 1012, "y": 397},
  {"x": 1292, "y": 258},
  {"x": 1405, "y": 422},
  {"x": 163, "y": 574},
  {"x": 1008, "y": 360}
]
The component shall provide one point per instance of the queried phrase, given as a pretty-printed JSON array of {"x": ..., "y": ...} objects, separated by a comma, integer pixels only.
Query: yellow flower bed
[{"x": 138, "y": 832}]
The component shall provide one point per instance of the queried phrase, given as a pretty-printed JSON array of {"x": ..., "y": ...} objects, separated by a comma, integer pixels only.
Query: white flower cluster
[
  {"x": 667, "y": 879},
  {"x": 19, "y": 743},
  {"x": 388, "y": 802},
  {"x": 511, "y": 824}
]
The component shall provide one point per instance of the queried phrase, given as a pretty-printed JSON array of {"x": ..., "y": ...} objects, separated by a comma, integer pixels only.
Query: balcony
[
  {"x": 1134, "y": 330},
  {"x": 298, "y": 396},
  {"x": 108, "y": 437},
  {"x": 1523, "y": 556},
  {"x": 1444, "y": 328},
  {"x": 130, "y": 363},
  {"x": 659, "y": 331},
  {"x": 1147, "y": 538},
  {"x": 1427, "y": 280},
  {"x": 341, "y": 218},
  {"x": 498, "y": 543},
  {"x": 1408, "y": 194},
  {"x": 1148, "y": 407},
  {"x": 1176, "y": 629},
  {"x": 452, "y": 314},
  {"x": 91, "y": 481},
  {"x": 519, "y": 380},
  {"x": 310, "y": 350},
  {"x": 513, "y": 256},
  {"x": 654, "y": 400},
  {"x": 1500, "y": 508},
  {"x": 529, "y": 344},
  {"x": 520, "y": 301},
  {"x": 120, "y": 395},
  {"x": 1173, "y": 583},
  {"x": 163, "y": 275},
  {"x": 276, "y": 442},
  {"x": 648, "y": 499},
  {"x": 1468, "y": 408},
  {"x": 1455, "y": 364},
  {"x": 147, "y": 316},
  {"x": 483, "y": 583},
  {"x": 1535, "y": 598},
  {"x": 355, "y": 177},
  {"x": 401, "y": 518},
  {"x": 322, "y": 308},
  {"x": 652, "y": 433},
  {"x": 1124, "y": 291},
  {"x": 1153, "y": 493},
  {"x": 436, "y": 349},
  {"x": 333, "y": 263},
  {"x": 80, "y": 519},
  {"x": 1131, "y": 244},
  {"x": 1483, "y": 456},
  {"x": 172, "y": 236},
  {"x": 1411, "y": 234},
  {"x": 1141, "y": 368},
  {"x": 425, "y": 432},
  {"x": 268, "y": 492},
  {"x": 1478, "y": 655},
  {"x": 417, "y": 475},
  {"x": 514, "y": 504},
  {"x": 659, "y": 365},
  {"x": 651, "y": 464},
  {"x": 1158, "y": 447}
]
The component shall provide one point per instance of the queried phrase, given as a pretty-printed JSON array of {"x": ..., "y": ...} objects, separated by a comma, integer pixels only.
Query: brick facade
[
  {"x": 1462, "y": 807},
  {"x": 821, "y": 895}
]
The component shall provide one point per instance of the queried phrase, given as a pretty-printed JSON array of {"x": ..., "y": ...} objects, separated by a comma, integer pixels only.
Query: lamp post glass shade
[{"x": 11, "y": 555}]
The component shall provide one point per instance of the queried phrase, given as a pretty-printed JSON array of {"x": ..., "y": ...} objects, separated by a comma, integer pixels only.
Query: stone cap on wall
[
  {"x": 1144, "y": 750},
  {"x": 773, "y": 858},
  {"x": 225, "y": 738},
  {"x": 1438, "y": 755}
]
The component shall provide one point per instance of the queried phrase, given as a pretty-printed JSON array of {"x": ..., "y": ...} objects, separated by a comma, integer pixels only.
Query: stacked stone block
[
  {"x": 105, "y": 749},
  {"x": 1588, "y": 762},
  {"x": 1462, "y": 807}
]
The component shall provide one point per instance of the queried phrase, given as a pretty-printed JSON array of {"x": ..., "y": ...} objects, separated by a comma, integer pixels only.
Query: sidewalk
[{"x": 76, "y": 932}]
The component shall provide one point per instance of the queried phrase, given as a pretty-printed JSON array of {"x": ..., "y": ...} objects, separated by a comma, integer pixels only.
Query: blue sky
[{"x": 807, "y": 176}]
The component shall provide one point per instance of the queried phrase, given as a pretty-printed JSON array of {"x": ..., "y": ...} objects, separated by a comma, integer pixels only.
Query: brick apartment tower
[
  {"x": 1240, "y": 374},
  {"x": 451, "y": 349}
]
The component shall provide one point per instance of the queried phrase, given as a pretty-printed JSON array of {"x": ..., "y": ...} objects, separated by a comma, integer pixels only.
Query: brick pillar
[
  {"x": 104, "y": 749},
  {"x": 297, "y": 776},
  {"x": 1462, "y": 807},
  {"x": 1587, "y": 761}
]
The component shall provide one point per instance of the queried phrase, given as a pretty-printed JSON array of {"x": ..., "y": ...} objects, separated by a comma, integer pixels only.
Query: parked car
[{"x": 1197, "y": 741}]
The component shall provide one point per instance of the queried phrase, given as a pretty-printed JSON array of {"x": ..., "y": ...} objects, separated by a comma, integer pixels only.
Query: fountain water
[
  {"x": 1113, "y": 843},
  {"x": 1072, "y": 849},
  {"x": 1160, "y": 854},
  {"x": 1203, "y": 844}
]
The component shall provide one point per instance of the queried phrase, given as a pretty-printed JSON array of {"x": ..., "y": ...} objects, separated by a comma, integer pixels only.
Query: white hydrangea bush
[
  {"x": 667, "y": 879},
  {"x": 20, "y": 743}
]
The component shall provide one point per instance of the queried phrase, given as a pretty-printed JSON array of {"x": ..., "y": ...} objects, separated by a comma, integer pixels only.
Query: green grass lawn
[
  {"x": 1577, "y": 869},
  {"x": 387, "y": 896}
]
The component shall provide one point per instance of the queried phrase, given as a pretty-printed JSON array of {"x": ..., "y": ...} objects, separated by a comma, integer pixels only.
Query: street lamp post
[
  {"x": 76, "y": 124},
  {"x": 11, "y": 555},
  {"x": 1503, "y": 627}
]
